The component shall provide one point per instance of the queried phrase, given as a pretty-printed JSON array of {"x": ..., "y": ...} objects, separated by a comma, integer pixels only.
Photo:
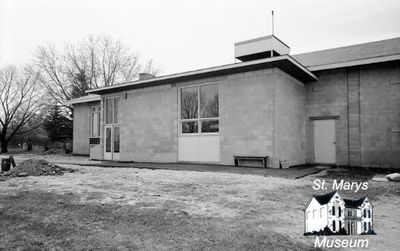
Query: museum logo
[{"x": 332, "y": 215}]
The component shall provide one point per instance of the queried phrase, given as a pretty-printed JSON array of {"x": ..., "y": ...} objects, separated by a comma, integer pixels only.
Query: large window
[
  {"x": 111, "y": 108},
  {"x": 199, "y": 109}
]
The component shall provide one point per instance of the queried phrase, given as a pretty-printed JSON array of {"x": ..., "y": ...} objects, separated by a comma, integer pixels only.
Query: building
[
  {"x": 338, "y": 107},
  {"x": 332, "y": 211}
]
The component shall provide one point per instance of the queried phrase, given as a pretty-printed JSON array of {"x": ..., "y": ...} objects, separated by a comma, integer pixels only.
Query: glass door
[
  {"x": 111, "y": 129},
  {"x": 112, "y": 142}
]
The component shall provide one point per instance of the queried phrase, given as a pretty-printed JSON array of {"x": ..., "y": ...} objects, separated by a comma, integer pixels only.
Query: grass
[
  {"x": 48, "y": 220},
  {"x": 128, "y": 208}
]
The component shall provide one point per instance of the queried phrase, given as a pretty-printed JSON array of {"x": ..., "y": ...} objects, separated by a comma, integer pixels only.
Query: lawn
[{"x": 123, "y": 208}]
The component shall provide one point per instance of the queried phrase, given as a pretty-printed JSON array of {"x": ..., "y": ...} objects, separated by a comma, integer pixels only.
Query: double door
[{"x": 112, "y": 142}]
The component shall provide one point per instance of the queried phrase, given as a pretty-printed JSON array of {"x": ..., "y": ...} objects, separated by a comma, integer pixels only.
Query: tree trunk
[{"x": 3, "y": 142}]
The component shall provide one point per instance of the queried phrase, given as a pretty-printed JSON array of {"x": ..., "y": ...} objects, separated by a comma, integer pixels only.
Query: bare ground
[{"x": 160, "y": 209}]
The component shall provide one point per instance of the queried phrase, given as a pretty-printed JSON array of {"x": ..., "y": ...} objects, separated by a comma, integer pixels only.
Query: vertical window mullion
[
  {"x": 112, "y": 110},
  {"x": 91, "y": 123},
  {"x": 198, "y": 110}
]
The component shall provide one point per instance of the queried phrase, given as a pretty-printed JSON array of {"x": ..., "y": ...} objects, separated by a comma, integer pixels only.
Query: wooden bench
[{"x": 264, "y": 159}]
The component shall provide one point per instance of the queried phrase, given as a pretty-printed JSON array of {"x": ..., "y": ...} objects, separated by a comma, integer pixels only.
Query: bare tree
[
  {"x": 91, "y": 63},
  {"x": 20, "y": 101}
]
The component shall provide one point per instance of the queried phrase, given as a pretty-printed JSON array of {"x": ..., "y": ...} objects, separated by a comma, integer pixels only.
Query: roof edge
[
  {"x": 364, "y": 61},
  {"x": 215, "y": 69},
  {"x": 84, "y": 99}
]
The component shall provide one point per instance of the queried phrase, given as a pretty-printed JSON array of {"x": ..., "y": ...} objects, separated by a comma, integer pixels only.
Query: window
[
  {"x": 199, "y": 109},
  {"x": 340, "y": 225},
  {"x": 108, "y": 139},
  {"x": 112, "y": 110},
  {"x": 340, "y": 212},
  {"x": 333, "y": 210},
  {"x": 365, "y": 227},
  {"x": 369, "y": 225},
  {"x": 116, "y": 139},
  {"x": 95, "y": 125},
  {"x": 365, "y": 213},
  {"x": 369, "y": 213},
  {"x": 349, "y": 213},
  {"x": 333, "y": 226}
]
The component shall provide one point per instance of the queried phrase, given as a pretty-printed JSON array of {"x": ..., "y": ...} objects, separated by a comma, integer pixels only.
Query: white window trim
[
  {"x": 105, "y": 110},
  {"x": 98, "y": 107},
  {"x": 199, "y": 120}
]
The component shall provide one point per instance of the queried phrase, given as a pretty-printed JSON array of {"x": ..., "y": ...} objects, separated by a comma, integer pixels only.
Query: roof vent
[
  {"x": 262, "y": 47},
  {"x": 145, "y": 75}
]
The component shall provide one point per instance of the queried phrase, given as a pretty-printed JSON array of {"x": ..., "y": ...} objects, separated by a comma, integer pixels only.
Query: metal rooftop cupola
[{"x": 259, "y": 48}]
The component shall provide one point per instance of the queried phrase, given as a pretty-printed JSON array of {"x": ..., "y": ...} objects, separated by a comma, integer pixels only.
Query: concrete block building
[{"x": 339, "y": 107}]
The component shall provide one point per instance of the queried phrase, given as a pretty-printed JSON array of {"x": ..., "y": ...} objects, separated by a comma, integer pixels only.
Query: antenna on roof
[
  {"x": 272, "y": 22},
  {"x": 272, "y": 16}
]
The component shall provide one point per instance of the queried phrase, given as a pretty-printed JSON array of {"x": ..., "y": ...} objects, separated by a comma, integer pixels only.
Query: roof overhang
[
  {"x": 285, "y": 63},
  {"x": 84, "y": 99},
  {"x": 364, "y": 61}
]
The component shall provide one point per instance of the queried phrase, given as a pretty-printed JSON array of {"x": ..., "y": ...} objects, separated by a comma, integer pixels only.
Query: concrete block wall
[
  {"x": 290, "y": 122},
  {"x": 247, "y": 103},
  {"x": 148, "y": 119},
  {"x": 365, "y": 101},
  {"x": 380, "y": 115},
  {"x": 80, "y": 135},
  {"x": 353, "y": 116},
  {"x": 327, "y": 98}
]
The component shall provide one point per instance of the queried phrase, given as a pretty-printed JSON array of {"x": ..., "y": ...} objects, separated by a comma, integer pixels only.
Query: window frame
[
  {"x": 199, "y": 119},
  {"x": 92, "y": 113},
  {"x": 113, "y": 98}
]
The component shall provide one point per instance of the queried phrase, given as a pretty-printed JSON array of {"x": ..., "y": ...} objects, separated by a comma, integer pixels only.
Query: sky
[{"x": 183, "y": 35}]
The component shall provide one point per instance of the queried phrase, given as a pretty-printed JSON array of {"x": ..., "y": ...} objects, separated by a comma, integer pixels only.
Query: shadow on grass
[{"x": 52, "y": 221}]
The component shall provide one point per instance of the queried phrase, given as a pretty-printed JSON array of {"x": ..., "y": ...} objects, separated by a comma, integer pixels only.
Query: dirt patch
[{"x": 36, "y": 167}]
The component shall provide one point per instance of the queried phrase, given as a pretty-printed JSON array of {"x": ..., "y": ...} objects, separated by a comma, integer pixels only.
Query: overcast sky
[{"x": 183, "y": 35}]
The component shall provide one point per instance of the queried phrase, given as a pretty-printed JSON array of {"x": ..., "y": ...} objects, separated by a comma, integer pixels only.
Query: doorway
[
  {"x": 111, "y": 129},
  {"x": 112, "y": 142},
  {"x": 324, "y": 141}
]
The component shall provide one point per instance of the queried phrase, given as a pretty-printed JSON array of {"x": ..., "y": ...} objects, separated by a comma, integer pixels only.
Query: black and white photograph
[{"x": 200, "y": 125}]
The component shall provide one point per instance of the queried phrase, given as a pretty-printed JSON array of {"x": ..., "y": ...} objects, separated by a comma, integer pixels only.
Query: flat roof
[
  {"x": 260, "y": 39},
  {"x": 285, "y": 62},
  {"x": 84, "y": 99}
]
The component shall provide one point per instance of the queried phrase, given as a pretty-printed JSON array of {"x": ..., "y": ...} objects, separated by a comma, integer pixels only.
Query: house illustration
[{"x": 333, "y": 211}]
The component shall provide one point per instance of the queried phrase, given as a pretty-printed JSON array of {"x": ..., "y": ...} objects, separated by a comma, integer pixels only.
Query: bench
[{"x": 264, "y": 159}]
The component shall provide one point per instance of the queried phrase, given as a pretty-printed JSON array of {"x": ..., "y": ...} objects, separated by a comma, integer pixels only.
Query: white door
[
  {"x": 324, "y": 141},
  {"x": 112, "y": 142}
]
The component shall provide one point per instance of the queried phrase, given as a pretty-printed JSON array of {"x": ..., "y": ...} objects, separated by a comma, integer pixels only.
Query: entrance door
[
  {"x": 324, "y": 141},
  {"x": 112, "y": 142}
]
